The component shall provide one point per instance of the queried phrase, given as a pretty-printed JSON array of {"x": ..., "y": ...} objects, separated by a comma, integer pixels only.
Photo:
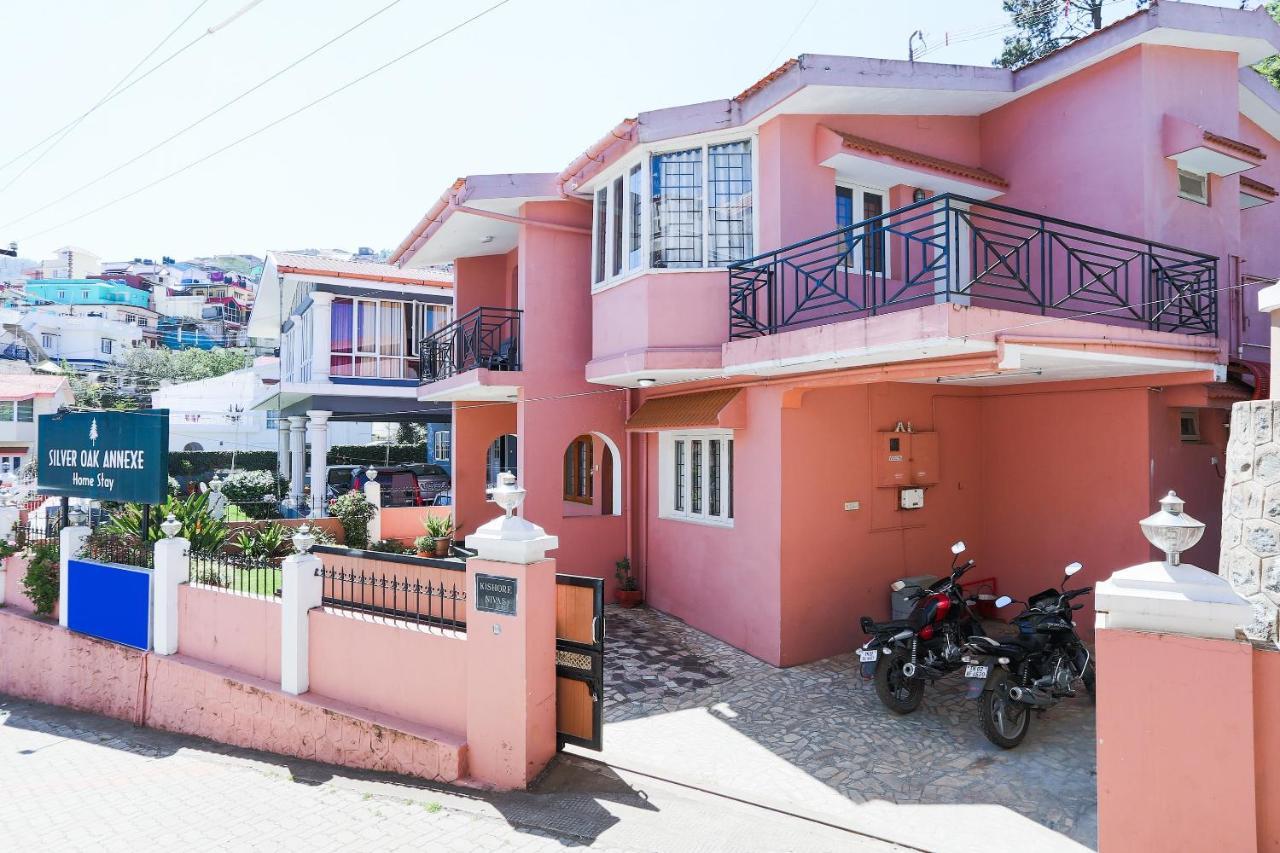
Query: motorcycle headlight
[{"x": 1003, "y": 661}]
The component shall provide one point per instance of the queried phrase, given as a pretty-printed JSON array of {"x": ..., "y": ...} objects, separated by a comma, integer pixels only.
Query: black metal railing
[
  {"x": 13, "y": 352},
  {"x": 122, "y": 549},
  {"x": 236, "y": 573},
  {"x": 950, "y": 248},
  {"x": 400, "y": 599},
  {"x": 483, "y": 337},
  {"x": 29, "y": 534}
]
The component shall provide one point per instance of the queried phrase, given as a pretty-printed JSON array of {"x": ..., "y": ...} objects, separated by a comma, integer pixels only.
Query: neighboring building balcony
[
  {"x": 476, "y": 357},
  {"x": 952, "y": 277},
  {"x": 14, "y": 352}
]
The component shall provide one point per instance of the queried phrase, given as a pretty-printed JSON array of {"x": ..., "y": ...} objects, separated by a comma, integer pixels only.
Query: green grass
[
  {"x": 235, "y": 513},
  {"x": 257, "y": 581}
]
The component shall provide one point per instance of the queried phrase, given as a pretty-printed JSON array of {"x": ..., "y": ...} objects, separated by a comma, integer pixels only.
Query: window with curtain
[
  {"x": 677, "y": 209},
  {"x": 391, "y": 339},
  {"x": 578, "y": 462},
  {"x": 729, "y": 202},
  {"x": 635, "y": 213},
  {"x": 340, "y": 339}
]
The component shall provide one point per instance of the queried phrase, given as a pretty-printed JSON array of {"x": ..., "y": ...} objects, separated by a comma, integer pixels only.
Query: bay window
[
  {"x": 378, "y": 338},
  {"x": 696, "y": 476},
  {"x": 700, "y": 212}
]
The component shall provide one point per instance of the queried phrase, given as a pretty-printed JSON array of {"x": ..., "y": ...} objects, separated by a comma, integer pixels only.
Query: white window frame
[
  {"x": 1198, "y": 199},
  {"x": 105, "y": 346},
  {"x": 643, "y": 158},
  {"x": 443, "y": 440},
  {"x": 47, "y": 341},
  {"x": 666, "y": 477},
  {"x": 859, "y": 192}
]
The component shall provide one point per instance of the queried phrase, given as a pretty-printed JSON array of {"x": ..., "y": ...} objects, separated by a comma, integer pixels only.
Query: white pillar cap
[{"x": 1164, "y": 598}]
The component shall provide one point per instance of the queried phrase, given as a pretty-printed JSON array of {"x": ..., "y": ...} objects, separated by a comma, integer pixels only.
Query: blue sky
[{"x": 524, "y": 88}]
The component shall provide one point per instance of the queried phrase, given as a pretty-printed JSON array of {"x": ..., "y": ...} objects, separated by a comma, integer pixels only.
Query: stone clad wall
[{"x": 1251, "y": 514}]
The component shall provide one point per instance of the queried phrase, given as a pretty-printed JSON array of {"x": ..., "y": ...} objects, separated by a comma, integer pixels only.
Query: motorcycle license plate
[
  {"x": 868, "y": 655},
  {"x": 975, "y": 671}
]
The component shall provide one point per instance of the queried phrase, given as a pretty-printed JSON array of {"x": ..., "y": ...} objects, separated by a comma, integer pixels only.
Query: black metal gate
[{"x": 579, "y": 661}]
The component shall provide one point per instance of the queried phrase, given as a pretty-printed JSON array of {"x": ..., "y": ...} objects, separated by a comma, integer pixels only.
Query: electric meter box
[{"x": 912, "y": 498}]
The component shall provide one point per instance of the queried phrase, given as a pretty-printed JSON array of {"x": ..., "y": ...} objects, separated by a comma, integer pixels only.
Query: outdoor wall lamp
[
  {"x": 919, "y": 195},
  {"x": 645, "y": 383}
]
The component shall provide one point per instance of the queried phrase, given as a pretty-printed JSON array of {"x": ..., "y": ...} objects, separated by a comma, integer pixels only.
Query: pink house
[{"x": 781, "y": 349}]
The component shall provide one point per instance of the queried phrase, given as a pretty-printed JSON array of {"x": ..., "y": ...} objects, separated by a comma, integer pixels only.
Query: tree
[
  {"x": 1270, "y": 67},
  {"x": 1044, "y": 26},
  {"x": 410, "y": 433}
]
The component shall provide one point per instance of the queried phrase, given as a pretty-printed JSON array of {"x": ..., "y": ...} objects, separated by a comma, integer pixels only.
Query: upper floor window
[
  {"x": 440, "y": 448},
  {"x": 26, "y": 411},
  {"x": 1193, "y": 186},
  {"x": 379, "y": 337},
  {"x": 62, "y": 294},
  {"x": 46, "y": 342},
  {"x": 105, "y": 346},
  {"x": 699, "y": 212}
]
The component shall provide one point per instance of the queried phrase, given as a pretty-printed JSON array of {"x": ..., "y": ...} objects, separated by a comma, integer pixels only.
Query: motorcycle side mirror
[
  {"x": 958, "y": 548},
  {"x": 1004, "y": 601},
  {"x": 1072, "y": 568}
]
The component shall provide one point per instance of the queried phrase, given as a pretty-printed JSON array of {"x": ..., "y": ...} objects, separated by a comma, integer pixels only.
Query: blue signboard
[
  {"x": 116, "y": 456},
  {"x": 109, "y": 601}
]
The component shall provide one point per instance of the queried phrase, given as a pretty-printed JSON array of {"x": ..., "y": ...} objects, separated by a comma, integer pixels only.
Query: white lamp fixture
[
  {"x": 303, "y": 540},
  {"x": 1171, "y": 530},
  {"x": 509, "y": 538},
  {"x": 646, "y": 382},
  {"x": 171, "y": 527}
]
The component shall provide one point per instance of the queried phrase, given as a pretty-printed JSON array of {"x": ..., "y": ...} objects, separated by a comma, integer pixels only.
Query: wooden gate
[{"x": 579, "y": 661}]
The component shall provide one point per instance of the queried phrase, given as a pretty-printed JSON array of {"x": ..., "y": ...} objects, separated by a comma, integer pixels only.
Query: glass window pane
[
  {"x": 602, "y": 211},
  {"x": 366, "y": 367},
  {"x": 729, "y": 202},
  {"x": 615, "y": 232},
  {"x": 677, "y": 209},
  {"x": 26, "y": 411},
  {"x": 340, "y": 327},
  {"x": 678, "y": 496},
  {"x": 695, "y": 476},
  {"x": 6, "y": 410},
  {"x": 729, "y": 467},
  {"x": 636, "y": 217},
  {"x": 873, "y": 246},
  {"x": 366, "y": 326},
  {"x": 713, "y": 477}
]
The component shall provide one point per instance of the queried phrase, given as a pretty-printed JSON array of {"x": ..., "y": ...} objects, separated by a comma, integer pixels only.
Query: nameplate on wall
[{"x": 495, "y": 594}]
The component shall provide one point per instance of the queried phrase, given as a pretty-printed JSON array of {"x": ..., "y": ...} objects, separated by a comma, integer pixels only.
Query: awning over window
[{"x": 720, "y": 409}]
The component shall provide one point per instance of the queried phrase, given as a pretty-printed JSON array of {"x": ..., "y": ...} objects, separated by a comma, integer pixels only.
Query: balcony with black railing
[
  {"x": 953, "y": 249},
  {"x": 483, "y": 339}
]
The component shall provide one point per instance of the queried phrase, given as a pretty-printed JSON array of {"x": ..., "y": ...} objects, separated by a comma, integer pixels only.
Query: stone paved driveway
[{"x": 815, "y": 739}]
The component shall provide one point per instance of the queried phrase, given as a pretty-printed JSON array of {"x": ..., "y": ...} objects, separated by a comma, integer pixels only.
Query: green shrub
[
  {"x": 270, "y": 543},
  {"x": 41, "y": 581},
  {"x": 205, "y": 461},
  {"x": 386, "y": 546},
  {"x": 206, "y": 533},
  {"x": 246, "y": 488},
  {"x": 353, "y": 510},
  {"x": 377, "y": 455}
]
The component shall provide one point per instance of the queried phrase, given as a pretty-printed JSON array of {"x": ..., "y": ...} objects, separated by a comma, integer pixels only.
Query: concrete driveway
[{"x": 814, "y": 741}]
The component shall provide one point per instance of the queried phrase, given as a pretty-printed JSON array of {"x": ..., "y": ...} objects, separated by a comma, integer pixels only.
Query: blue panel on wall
[{"x": 111, "y": 602}]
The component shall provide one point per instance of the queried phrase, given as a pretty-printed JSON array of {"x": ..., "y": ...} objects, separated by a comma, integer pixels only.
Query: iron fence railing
[
  {"x": 402, "y": 599},
  {"x": 950, "y": 248},
  {"x": 29, "y": 534},
  {"x": 122, "y": 549},
  {"x": 483, "y": 337},
  {"x": 236, "y": 573}
]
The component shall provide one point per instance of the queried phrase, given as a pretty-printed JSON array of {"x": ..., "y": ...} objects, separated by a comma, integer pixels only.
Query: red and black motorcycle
[{"x": 903, "y": 655}]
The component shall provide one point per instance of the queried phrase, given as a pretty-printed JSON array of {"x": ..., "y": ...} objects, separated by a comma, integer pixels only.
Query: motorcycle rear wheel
[
  {"x": 900, "y": 694},
  {"x": 1004, "y": 721}
]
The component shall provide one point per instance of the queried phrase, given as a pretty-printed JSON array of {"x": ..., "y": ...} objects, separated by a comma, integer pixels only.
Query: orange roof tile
[
  {"x": 903, "y": 155},
  {"x": 310, "y": 265},
  {"x": 1258, "y": 187},
  {"x": 1236, "y": 145},
  {"x": 682, "y": 411}
]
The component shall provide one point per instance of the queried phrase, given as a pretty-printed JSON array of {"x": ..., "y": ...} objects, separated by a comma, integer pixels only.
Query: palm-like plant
[{"x": 206, "y": 534}]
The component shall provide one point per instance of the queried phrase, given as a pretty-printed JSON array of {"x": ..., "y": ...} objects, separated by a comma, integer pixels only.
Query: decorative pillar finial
[
  {"x": 507, "y": 494},
  {"x": 170, "y": 527},
  {"x": 1171, "y": 530},
  {"x": 303, "y": 540}
]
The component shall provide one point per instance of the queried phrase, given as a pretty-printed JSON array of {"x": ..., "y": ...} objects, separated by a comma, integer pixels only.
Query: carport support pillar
[
  {"x": 1175, "y": 710},
  {"x": 511, "y": 647},
  {"x": 319, "y": 460},
  {"x": 297, "y": 459},
  {"x": 70, "y": 542}
]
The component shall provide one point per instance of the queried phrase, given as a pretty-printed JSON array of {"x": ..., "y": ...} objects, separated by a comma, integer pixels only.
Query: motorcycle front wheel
[
  {"x": 900, "y": 694},
  {"x": 1004, "y": 721}
]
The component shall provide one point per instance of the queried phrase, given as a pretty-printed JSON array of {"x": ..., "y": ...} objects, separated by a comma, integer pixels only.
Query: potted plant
[
  {"x": 440, "y": 529},
  {"x": 425, "y": 546},
  {"x": 627, "y": 593}
]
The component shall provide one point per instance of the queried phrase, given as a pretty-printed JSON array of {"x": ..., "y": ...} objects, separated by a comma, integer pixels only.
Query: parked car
[
  {"x": 399, "y": 483},
  {"x": 432, "y": 479}
]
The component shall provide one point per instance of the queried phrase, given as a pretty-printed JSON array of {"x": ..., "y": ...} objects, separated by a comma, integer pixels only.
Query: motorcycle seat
[{"x": 891, "y": 625}]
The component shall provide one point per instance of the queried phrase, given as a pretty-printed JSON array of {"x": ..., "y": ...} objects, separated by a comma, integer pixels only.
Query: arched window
[
  {"x": 579, "y": 485},
  {"x": 193, "y": 445}
]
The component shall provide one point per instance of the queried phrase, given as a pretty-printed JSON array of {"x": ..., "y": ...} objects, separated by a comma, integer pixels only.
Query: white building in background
[
  {"x": 216, "y": 414},
  {"x": 83, "y": 341},
  {"x": 71, "y": 262},
  {"x": 23, "y": 398}
]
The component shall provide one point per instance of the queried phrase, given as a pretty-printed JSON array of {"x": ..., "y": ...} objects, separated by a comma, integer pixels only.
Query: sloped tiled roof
[
  {"x": 1256, "y": 186},
  {"x": 288, "y": 262},
  {"x": 24, "y": 386},
  {"x": 914, "y": 158}
]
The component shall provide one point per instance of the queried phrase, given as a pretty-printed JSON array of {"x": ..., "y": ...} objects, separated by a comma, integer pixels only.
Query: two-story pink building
[{"x": 783, "y": 348}]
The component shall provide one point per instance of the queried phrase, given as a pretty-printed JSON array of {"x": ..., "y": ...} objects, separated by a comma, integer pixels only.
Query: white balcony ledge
[{"x": 478, "y": 384}]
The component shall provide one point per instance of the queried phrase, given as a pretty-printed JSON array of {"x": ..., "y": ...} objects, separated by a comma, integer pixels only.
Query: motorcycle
[
  {"x": 1031, "y": 671},
  {"x": 905, "y": 654}
]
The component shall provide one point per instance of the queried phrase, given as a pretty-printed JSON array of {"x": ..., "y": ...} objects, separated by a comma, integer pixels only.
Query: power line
[
  {"x": 202, "y": 119},
  {"x": 774, "y": 61},
  {"x": 280, "y": 120},
  {"x": 118, "y": 92}
]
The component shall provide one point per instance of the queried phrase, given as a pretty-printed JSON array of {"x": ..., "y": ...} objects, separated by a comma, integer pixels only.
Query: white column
[
  {"x": 298, "y": 458},
  {"x": 959, "y": 263},
  {"x": 172, "y": 563},
  {"x": 8, "y": 519},
  {"x": 319, "y": 459},
  {"x": 70, "y": 541},
  {"x": 301, "y": 590},
  {"x": 321, "y": 320},
  {"x": 282, "y": 462},
  {"x": 373, "y": 494}
]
